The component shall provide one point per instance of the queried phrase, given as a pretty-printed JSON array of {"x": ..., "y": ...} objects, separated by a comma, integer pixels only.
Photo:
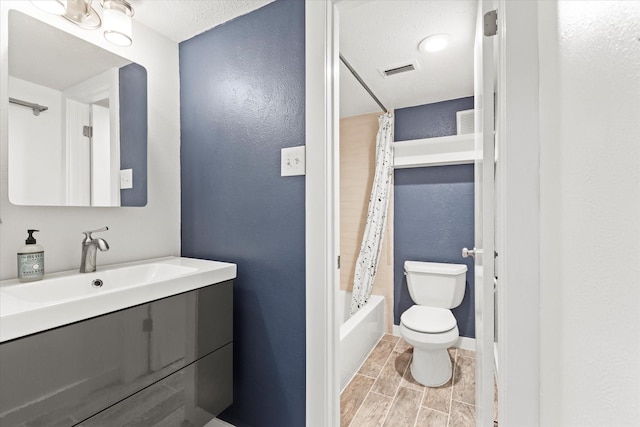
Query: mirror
[{"x": 77, "y": 121}]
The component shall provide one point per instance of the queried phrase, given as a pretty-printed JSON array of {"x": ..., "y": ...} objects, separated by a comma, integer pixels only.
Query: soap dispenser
[{"x": 30, "y": 260}]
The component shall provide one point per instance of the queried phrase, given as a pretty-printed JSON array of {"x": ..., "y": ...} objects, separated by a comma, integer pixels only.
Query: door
[
  {"x": 484, "y": 214},
  {"x": 100, "y": 156},
  {"x": 78, "y": 154}
]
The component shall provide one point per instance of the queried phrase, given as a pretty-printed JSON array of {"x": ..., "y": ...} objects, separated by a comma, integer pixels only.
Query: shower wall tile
[{"x": 357, "y": 167}]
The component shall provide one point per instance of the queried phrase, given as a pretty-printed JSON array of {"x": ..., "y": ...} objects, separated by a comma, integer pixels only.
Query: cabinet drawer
[
  {"x": 190, "y": 397},
  {"x": 65, "y": 375}
]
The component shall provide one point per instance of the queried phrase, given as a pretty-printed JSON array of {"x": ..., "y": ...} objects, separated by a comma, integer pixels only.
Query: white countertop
[{"x": 66, "y": 297}]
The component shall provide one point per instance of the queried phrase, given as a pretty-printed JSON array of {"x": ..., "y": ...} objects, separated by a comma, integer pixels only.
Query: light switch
[
  {"x": 126, "y": 179},
  {"x": 292, "y": 161}
]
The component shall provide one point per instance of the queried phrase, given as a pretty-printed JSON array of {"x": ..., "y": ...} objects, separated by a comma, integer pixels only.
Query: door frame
[
  {"x": 485, "y": 74},
  {"x": 518, "y": 214},
  {"x": 321, "y": 225},
  {"x": 518, "y": 266}
]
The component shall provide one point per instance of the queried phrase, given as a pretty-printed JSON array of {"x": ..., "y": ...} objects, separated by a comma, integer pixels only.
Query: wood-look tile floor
[{"x": 384, "y": 393}]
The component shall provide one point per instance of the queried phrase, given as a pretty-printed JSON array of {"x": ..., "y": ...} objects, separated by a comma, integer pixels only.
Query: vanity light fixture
[
  {"x": 117, "y": 21},
  {"x": 81, "y": 13},
  {"x": 434, "y": 43},
  {"x": 116, "y": 16}
]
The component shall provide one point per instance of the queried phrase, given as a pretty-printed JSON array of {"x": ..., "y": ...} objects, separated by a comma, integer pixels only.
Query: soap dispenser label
[{"x": 31, "y": 265}]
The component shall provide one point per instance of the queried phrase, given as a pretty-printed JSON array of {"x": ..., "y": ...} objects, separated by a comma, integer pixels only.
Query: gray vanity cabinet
[{"x": 164, "y": 363}]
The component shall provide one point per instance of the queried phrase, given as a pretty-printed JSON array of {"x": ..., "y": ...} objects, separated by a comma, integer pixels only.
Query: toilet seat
[{"x": 430, "y": 320}]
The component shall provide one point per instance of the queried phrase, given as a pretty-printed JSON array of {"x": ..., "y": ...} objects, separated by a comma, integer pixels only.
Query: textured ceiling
[
  {"x": 42, "y": 54},
  {"x": 379, "y": 34},
  {"x": 180, "y": 20},
  {"x": 374, "y": 35}
]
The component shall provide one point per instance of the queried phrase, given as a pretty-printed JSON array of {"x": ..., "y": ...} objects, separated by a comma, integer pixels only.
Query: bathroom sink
[
  {"x": 67, "y": 297},
  {"x": 84, "y": 285}
]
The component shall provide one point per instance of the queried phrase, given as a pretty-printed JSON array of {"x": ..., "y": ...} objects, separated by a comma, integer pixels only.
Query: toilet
[{"x": 429, "y": 326}]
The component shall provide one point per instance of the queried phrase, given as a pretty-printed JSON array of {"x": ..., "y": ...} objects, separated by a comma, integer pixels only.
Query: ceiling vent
[{"x": 392, "y": 71}]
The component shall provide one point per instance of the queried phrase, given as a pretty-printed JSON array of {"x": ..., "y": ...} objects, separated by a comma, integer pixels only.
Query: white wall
[
  {"x": 134, "y": 233},
  {"x": 590, "y": 212},
  {"x": 37, "y": 143}
]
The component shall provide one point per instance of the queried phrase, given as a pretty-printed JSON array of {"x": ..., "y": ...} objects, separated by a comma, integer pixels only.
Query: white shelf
[{"x": 446, "y": 150}]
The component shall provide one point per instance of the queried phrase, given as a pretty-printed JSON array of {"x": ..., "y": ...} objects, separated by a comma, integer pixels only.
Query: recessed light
[{"x": 434, "y": 43}]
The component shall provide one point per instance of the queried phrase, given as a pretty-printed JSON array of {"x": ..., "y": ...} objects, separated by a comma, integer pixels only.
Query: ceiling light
[
  {"x": 434, "y": 43},
  {"x": 57, "y": 7},
  {"x": 117, "y": 21}
]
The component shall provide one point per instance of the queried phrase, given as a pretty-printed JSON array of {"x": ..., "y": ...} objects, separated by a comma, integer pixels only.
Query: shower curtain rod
[
  {"x": 364, "y": 85},
  {"x": 37, "y": 108}
]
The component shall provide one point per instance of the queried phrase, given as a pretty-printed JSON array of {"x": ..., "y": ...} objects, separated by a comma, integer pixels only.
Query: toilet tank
[{"x": 436, "y": 284}]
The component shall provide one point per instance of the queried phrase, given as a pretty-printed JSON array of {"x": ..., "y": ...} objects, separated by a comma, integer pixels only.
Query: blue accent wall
[
  {"x": 133, "y": 132},
  {"x": 433, "y": 215},
  {"x": 242, "y": 100}
]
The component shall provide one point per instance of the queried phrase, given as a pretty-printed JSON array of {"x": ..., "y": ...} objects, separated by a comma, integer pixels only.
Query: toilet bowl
[{"x": 429, "y": 326}]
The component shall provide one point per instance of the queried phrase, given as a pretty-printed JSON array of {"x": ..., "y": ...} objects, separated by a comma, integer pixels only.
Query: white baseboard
[
  {"x": 463, "y": 342},
  {"x": 466, "y": 343},
  {"x": 396, "y": 331},
  {"x": 218, "y": 423}
]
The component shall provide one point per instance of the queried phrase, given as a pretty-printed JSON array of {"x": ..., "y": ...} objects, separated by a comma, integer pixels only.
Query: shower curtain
[{"x": 367, "y": 262}]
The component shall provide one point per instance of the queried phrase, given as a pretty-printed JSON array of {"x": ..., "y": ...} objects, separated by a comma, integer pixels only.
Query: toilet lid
[{"x": 430, "y": 320}]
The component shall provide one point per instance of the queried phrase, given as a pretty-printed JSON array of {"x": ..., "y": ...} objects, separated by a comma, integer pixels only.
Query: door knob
[{"x": 468, "y": 253}]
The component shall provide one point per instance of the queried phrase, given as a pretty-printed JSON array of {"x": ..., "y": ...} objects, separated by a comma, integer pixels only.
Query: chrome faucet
[{"x": 90, "y": 248}]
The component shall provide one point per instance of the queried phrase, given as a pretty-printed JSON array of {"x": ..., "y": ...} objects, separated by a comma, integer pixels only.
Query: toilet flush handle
[{"x": 468, "y": 253}]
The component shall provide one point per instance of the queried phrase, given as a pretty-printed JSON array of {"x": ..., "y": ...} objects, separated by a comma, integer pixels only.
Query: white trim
[
  {"x": 440, "y": 151},
  {"x": 466, "y": 343},
  {"x": 396, "y": 331},
  {"x": 322, "y": 334},
  {"x": 484, "y": 214},
  {"x": 518, "y": 293},
  {"x": 517, "y": 120}
]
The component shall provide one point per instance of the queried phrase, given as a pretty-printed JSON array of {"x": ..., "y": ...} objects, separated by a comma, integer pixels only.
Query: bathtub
[{"x": 359, "y": 333}]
